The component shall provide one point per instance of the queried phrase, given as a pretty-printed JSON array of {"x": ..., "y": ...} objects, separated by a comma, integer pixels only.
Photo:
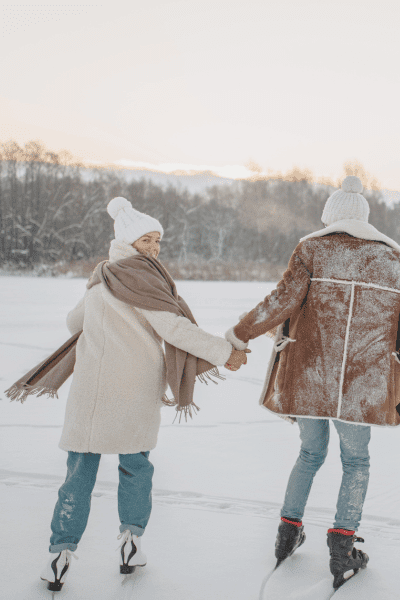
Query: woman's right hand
[{"x": 237, "y": 359}]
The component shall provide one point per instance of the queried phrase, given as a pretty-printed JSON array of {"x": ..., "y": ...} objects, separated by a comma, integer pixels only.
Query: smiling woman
[
  {"x": 134, "y": 335},
  {"x": 149, "y": 244}
]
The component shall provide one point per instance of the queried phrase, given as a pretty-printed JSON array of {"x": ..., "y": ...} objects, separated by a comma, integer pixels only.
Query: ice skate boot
[
  {"x": 344, "y": 557},
  {"x": 56, "y": 570},
  {"x": 290, "y": 536},
  {"x": 131, "y": 553}
]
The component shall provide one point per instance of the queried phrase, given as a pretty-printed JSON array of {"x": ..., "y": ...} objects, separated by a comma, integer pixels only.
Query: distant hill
[
  {"x": 194, "y": 183},
  {"x": 200, "y": 181}
]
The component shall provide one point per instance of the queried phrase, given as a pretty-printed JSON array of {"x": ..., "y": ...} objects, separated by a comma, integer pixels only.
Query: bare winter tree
[{"x": 53, "y": 209}]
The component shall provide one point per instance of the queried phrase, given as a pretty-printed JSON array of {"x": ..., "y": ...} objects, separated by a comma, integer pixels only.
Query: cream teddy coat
[{"x": 119, "y": 378}]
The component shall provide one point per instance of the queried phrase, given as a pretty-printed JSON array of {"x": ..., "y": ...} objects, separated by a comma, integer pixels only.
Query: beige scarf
[{"x": 142, "y": 282}]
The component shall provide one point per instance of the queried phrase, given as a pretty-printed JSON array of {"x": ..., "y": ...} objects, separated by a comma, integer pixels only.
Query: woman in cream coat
[{"x": 115, "y": 397}]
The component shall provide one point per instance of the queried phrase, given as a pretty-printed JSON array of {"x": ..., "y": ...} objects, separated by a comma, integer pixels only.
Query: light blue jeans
[
  {"x": 354, "y": 440},
  {"x": 72, "y": 509}
]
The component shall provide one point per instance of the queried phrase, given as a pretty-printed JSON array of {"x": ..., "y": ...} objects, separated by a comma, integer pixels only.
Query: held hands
[{"x": 237, "y": 359}]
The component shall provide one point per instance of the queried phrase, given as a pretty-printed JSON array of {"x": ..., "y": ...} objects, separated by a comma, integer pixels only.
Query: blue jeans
[
  {"x": 72, "y": 509},
  {"x": 354, "y": 440}
]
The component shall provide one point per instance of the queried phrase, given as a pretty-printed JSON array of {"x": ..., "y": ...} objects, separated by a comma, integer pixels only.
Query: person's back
[
  {"x": 343, "y": 256},
  {"x": 347, "y": 330},
  {"x": 335, "y": 313}
]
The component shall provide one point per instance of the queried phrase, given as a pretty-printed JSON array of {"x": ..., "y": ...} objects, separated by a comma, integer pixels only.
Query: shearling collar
[
  {"x": 120, "y": 250},
  {"x": 358, "y": 229}
]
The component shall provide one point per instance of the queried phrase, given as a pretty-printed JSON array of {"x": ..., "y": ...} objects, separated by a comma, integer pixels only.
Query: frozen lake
[{"x": 219, "y": 479}]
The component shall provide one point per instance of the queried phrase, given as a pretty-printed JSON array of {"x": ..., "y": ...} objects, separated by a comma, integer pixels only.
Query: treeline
[{"x": 53, "y": 210}]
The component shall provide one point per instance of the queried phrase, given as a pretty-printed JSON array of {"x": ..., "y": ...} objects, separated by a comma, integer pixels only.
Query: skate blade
[
  {"x": 53, "y": 586},
  {"x": 343, "y": 578},
  {"x": 127, "y": 569},
  {"x": 131, "y": 575}
]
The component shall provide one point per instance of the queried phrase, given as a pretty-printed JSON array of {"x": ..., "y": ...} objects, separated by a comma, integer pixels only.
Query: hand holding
[{"x": 237, "y": 359}]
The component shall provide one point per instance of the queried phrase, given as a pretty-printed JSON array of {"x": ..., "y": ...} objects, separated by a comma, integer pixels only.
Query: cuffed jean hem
[
  {"x": 60, "y": 547},
  {"x": 139, "y": 531}
]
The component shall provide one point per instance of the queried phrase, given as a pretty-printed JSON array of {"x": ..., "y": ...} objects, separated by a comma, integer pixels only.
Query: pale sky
[{"x": 218, "y": 83}]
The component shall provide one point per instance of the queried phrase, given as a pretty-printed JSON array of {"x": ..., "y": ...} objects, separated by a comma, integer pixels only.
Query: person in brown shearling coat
[{"x": 335, "y": 316}]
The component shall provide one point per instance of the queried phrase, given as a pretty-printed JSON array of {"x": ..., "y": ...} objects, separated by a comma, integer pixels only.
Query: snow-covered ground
[{"x": 218, "y": 485}]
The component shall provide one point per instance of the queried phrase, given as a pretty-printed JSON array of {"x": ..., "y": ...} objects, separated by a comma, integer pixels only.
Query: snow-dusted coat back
[
  {"x": 337, "y": 308},
  {"x": 120, "y": 376}
]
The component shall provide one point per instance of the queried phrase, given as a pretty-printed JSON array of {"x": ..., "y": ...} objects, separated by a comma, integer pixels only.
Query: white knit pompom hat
[
  {"x": 130, "y": 224},
  {"x": 346, "y": 203}
]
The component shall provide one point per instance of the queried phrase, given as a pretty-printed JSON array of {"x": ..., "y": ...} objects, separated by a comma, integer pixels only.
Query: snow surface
[{"x": 218, "y": 485}]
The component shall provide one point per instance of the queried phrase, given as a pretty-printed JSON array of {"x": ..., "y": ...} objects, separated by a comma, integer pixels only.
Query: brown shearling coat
[{"x": 340, "y": 361}]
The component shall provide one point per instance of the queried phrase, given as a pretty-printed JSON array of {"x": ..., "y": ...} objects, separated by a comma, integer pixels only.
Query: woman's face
[{"x": 149, "y": 244}]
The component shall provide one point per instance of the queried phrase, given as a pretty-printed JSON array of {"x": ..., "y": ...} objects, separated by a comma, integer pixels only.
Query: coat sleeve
[
  {"x": 275, "y": 308},
  {"x": 75, "y": 317},
  {"x": 182, "y": 333}
]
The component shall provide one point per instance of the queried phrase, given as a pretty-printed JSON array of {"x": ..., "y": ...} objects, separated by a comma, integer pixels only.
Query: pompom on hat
[
  {"x": 346, "y": 203},
  {"x": 129, "y": 223}
]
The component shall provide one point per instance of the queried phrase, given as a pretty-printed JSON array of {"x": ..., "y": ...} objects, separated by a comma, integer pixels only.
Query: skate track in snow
[{"x": 386, "y": 527}]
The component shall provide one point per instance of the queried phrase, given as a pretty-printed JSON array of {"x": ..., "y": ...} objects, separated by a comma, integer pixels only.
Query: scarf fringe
[
  {"x": 167, "y": 401},
  {"x": 20, "y": 393},
  {"x": 210, "y": 375},
  {"x": 186, "y": 411},
  {"x": 192, "y": 408}
]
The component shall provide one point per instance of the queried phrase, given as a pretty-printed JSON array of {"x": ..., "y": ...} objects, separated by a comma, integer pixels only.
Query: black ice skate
[
  {"x": 344, "y": 557},
  {"x": 290, "y": 536}
]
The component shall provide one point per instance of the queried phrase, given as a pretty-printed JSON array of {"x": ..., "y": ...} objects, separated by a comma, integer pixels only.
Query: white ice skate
[
  {"x": 56, "y": 569},
  {"x": 131, "y": 554}
]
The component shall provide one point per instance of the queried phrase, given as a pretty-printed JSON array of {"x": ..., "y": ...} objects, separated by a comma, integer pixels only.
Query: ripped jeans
[
  {"x": 72, "y": 509},
  {"x": 354, "y": 440}
]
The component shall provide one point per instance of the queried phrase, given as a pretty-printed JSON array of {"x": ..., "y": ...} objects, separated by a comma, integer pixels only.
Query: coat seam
[
  {"x": 361, "y": 283},
  {"x": 346, "y": 342},
  {"x": 156, "y": 408},
  {"x": 98, "y": 379},
  {"x": 294, "y": 416}
]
